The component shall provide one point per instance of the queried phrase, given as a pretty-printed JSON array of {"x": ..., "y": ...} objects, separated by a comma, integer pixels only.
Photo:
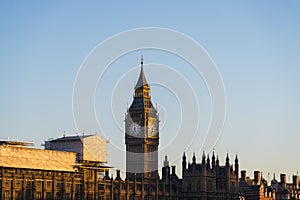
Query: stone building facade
[
  {"x": 72, "y": 167},
  {"x": 286, "y": 190},
  {"x": 209, "y": 180},
  {"x": 30, "y": 173},
  {"x": 257, "y": 188},
  {"x": 200, "y": 181}
]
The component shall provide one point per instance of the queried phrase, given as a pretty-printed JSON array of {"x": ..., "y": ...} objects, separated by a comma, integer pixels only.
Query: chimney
[
  {"x": 257, "y": 177},
  {"x": 118, "y": 175},
  {"x": 282, "y": 178},
  {"x": 107, "y": 175},
  {"x": 296, "y": 181},
  {"x": 243, "y": 175},
  {"x": 173, "y": 169}
]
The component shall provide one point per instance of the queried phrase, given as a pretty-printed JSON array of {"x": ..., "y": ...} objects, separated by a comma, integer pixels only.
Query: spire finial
[
  {"x": 194, "y": 158},
  {"x": 166, "y": 161},
  {"x": 142, "y": 79},
  {"x": 227, "y": 159},
  {"x": 213, "y": 156},
  {"x": 142, "y": 60}
]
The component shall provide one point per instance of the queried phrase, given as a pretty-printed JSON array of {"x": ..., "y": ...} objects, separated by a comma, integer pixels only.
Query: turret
[
  {"x": 208, "y": 162},
  {"x": 228, "y": 173},
  {"x": 183, "y": 164},
  {"x": 204, "y": 167},
  {"x": 213, "y": 161},
  {"x": 227, "y": 161},
  {"x": 173, "y": 177},
  {"x": 166, "y": 174},
  {"x": 166, "y": 170},
  {"x": 236, "y": 165},
  {"x": 194, "y": 159},
  {"x": 203, "y": 159},
  {"x": 166, "y": 162},
  {"x": 118, "y": 175}
]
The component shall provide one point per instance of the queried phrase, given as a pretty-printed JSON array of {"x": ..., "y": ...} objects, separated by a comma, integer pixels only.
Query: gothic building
[
  {"x": 209, "y": 180},
  {"x": 286, "y": 190},
  {"x": 200, "y": 181},
  {"x": 73, "y": 167},
  {"x": 205, "y": 180},
  {"x": 257, "y": 188}
]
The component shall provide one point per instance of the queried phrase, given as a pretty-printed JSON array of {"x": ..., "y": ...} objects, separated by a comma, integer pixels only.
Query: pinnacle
[{"x": 142, "y": 78}]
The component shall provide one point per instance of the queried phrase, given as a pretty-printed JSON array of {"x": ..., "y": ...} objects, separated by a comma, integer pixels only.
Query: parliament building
[{"x": 75, "y": 167}]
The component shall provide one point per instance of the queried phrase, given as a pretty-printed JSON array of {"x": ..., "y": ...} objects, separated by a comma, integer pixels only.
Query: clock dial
[
  {"x": 152, "y": 129},
  {"x": 134, "y": 129}
]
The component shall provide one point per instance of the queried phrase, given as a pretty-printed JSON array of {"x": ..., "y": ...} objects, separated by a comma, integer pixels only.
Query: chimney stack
[
  {"x": 257, "y": 177},
  {"x": 173, "y": 169},
  {"x": 282, "y": 178},
  {"x": 243, "y": 175},
  {"x": 296, "y": 181}
]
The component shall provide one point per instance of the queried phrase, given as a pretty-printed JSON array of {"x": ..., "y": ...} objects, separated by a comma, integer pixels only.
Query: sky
[{"x": 254, "y": 44}]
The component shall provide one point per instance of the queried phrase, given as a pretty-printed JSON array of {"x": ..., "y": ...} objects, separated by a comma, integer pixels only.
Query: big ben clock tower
[{"x": 142, "y": 133}]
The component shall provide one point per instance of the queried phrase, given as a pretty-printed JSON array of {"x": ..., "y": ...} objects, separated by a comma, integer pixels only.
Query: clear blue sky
[{"x": 255, "y": 45}]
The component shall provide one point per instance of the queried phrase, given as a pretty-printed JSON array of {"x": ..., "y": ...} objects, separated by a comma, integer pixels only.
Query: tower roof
[
  {"x": 236, "y": 159},
  {"x": 166, "y": 161},
  {"x": 227, "y": 159},
  {"x": 142, "y": 78}
]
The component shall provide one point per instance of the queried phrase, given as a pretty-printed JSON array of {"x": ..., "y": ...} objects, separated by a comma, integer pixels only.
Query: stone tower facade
[
  {"x": 208, "y": 180},
  {"x": 142, "y": 133}
]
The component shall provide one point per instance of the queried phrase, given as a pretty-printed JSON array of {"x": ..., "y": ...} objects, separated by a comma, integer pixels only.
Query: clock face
[
  {"x": 134, "y": 129},
  {"x": 152, "y": 129}
]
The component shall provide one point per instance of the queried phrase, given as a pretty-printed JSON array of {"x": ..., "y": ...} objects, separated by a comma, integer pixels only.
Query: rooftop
[
  {"x": 69, "y": 138},
  {"x": 16, "y": 143}
]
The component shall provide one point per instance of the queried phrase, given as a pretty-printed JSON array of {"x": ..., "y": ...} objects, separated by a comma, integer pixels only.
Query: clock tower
[{"x": 142, "y": 133}]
